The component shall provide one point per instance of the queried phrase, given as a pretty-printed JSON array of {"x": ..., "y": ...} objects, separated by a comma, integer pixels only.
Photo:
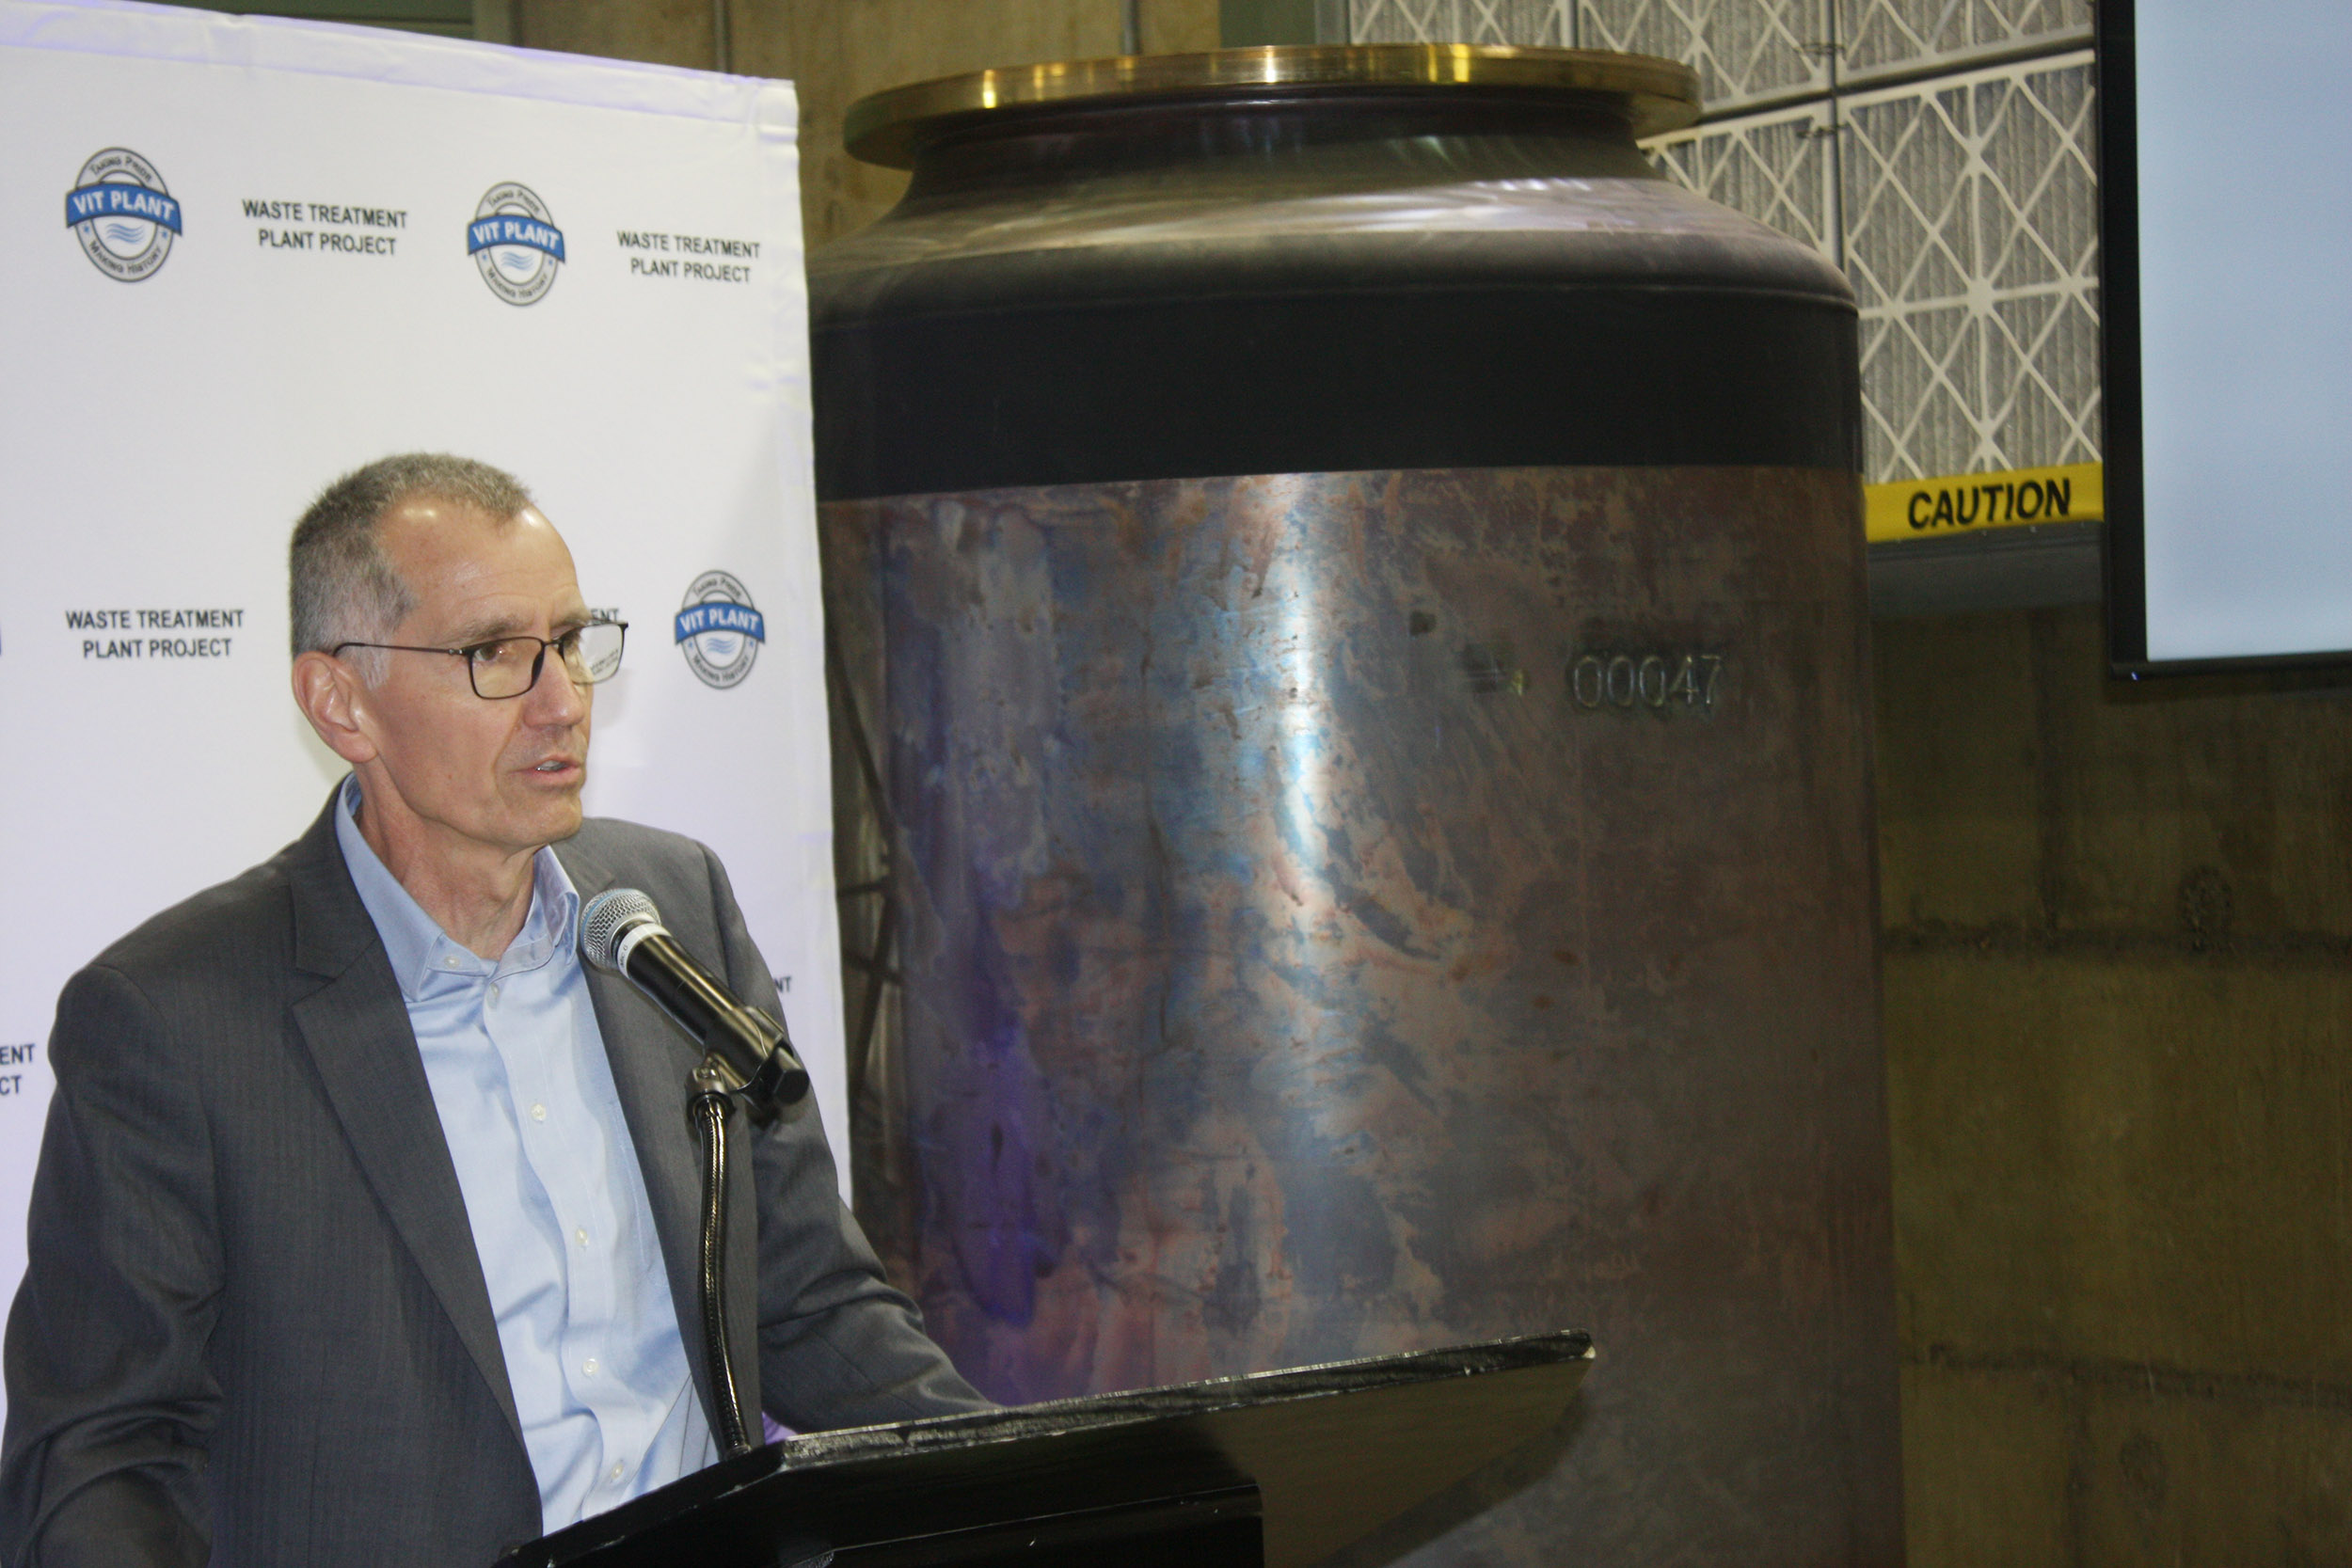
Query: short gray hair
[{"x": 341, "y": 587}]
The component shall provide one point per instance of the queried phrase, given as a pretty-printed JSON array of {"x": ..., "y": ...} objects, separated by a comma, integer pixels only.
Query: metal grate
[
  {"x": 1971, "y": 237},
  {"x": 1548, "y": 23},
  {"x": 1746, "y": 52},
  {"x": 1939, "y": 151},
  {"x": 1879, "y": 38}
]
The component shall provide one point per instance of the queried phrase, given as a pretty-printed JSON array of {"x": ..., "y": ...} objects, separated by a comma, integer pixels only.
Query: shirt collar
[{"x": 419, "y": 949}]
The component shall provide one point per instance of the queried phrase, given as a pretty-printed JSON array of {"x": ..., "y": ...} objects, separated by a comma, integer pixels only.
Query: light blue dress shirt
[{"x": 552, "y": 1189}]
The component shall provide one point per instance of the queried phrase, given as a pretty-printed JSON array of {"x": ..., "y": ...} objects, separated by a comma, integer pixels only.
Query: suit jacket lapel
[
  {"x": 651, "y": 1058},
  {"x": 356, "y": 1027}
]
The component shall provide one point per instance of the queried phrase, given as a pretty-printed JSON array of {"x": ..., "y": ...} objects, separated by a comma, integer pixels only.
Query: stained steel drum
[{"x": 1349, "y": 603}]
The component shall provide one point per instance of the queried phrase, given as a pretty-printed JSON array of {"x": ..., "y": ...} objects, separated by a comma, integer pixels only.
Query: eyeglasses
[{"x": 507, "y": 667}]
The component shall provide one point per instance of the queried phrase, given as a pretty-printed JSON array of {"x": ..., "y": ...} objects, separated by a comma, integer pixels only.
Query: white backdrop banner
[{"x": 242, "y": 257}]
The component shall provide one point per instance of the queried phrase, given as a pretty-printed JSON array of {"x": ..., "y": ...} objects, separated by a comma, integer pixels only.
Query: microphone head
[{"x": 609, "y": 917}]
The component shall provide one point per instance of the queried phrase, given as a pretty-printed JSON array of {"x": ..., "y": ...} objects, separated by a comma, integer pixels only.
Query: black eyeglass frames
[{"x": 506, "y": 667}]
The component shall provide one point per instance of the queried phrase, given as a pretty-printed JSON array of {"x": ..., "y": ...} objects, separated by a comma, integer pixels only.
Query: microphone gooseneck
[
  {"x": 708, "y": 1107},
  {"x": 746, "y": 1057}
]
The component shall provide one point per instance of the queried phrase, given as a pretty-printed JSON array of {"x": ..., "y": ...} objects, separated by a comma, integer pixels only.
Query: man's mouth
[{"x": 555, "y": 765}]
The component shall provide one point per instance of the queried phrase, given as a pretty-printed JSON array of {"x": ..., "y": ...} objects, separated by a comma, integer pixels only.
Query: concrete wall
[{"x": 2119, "y": 1031}]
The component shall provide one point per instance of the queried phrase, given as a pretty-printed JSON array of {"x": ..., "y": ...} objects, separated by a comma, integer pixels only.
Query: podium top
[{"x": 1332, "y": 1451}]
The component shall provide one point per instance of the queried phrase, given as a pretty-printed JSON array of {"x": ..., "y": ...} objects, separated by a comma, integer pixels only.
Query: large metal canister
[{"x": 1349, "y": 600}]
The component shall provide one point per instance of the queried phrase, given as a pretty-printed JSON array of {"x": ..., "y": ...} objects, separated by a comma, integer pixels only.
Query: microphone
[{"x": 621, "y": 932}]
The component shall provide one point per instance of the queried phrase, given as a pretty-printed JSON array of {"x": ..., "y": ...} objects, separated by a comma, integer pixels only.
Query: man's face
[{"x": 503, "y": 775}]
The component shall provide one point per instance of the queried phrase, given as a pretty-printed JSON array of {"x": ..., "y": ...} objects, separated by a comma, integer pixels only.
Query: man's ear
[{"x": 332, "y": 699}]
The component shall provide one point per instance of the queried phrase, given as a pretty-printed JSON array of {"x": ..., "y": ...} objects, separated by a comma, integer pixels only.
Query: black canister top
[{"x": 1310, "y": 261}]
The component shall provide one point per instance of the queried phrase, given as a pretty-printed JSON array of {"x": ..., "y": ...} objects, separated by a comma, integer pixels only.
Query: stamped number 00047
[{"x": 1661, "y": 683}]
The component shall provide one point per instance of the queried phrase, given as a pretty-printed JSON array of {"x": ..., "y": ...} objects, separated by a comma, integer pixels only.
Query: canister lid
[{"x": 1651, "y": 96}]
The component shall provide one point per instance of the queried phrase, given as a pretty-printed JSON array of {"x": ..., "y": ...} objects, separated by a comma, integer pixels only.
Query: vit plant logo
[
  {"x": 124, "y": 216},
  {"x": 718, "y": 631},
  {"x": 515, "y": 242}
]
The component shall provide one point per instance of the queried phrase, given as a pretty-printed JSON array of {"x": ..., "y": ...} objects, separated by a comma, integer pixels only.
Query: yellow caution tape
[{"x": 1962, "y": 504}]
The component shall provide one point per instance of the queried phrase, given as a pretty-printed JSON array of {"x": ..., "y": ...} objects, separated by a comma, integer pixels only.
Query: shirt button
[
  {"x": 580, "y": 1236},
  {"x": 616, "y": 1472},
  {"x": 449, "y": 962},
  {"x": 494, "y": 991},
  {"x": 589, "y": 1366},
  {"x": 538, "y": 1112}
]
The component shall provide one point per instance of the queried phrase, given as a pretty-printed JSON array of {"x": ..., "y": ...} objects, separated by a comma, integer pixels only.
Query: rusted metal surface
[{"x": 1347, "y": 913}]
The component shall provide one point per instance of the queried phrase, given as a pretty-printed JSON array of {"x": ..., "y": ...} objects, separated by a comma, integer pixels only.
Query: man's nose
[{"x": 556, "y": 697}]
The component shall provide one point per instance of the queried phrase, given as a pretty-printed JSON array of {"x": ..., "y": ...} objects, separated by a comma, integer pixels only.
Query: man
[{"x": 365, "y": 1228}]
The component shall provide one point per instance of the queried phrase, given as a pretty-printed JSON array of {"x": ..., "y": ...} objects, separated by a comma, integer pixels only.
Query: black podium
[{"x": 1281, "y": 1469}]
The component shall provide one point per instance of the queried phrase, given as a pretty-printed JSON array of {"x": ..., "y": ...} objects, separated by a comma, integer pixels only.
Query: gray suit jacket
[{"x": 254, "y": 1323}]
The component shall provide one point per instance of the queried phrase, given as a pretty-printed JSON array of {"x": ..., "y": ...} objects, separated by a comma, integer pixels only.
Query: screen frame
[{"x": 2115, "y": 39}]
